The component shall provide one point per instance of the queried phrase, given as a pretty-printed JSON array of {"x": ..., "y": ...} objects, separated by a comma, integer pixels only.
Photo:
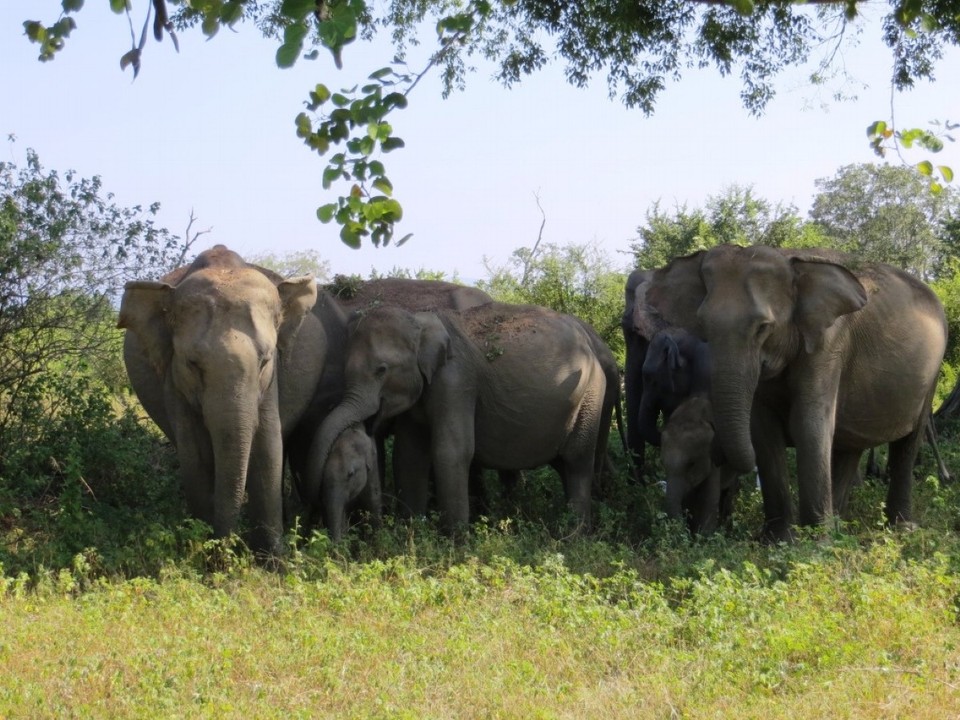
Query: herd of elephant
[{"x": 742, "y": 351}]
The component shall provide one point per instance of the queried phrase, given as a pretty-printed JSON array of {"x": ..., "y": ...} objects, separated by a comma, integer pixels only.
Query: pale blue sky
[{"x": 211, "y": 130}]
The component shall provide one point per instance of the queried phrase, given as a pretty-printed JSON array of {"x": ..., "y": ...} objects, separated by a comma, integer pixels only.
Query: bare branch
[{"x": 533, "y": 251}]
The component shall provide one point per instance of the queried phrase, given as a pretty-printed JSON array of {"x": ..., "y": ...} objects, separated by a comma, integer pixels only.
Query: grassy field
[{"x": 515, "y": 621}]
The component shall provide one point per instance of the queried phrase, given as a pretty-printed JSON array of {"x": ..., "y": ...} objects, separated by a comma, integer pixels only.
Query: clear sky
[{"x": 211, "y": 130}]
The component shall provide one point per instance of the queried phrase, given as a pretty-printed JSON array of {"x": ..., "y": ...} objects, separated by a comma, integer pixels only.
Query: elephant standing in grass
[
  {"x": 698, "y": 489},
  {"x": 350, "y": 478},
  {"x": 636, "y": 351},
  {"x": 342, "y": 479},
  {"x": 814, "y": 349},
  {"x": 507, "y": 386},
  {"x": 225, "y": 357}
]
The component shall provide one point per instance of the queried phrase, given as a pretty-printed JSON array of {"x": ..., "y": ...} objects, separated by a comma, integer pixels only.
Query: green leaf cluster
[
  {"x": 880, "y": 135},
  {"x": 354, "y": 119},
  {"x": 51, "y": 38}
]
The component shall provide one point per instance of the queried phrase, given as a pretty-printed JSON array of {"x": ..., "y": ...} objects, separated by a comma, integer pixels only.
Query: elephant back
[{"x": 409, "y": 294}]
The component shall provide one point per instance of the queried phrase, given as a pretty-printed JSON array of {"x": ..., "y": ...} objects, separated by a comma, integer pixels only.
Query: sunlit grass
[{"x": 836, "y": 630}]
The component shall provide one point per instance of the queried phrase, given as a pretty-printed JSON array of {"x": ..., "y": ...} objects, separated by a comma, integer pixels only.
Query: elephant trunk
[
  {"x": 354, "y": 408},
  {"x": 732, "y": 397},
  {"x": 334, "y": 509},
  {"x": 676, "y": 493},
  {"x": 232, "y": 442}
]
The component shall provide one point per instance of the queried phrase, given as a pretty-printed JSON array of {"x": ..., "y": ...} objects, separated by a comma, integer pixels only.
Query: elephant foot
[
  {"x": 904, "y": 526},
  {"x": 776, "y": 532}
]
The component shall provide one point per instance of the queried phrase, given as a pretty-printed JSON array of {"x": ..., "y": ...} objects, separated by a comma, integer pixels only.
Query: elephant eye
[
  {"x": 381, "y": 370},
  {"x": 763, "y": 329}
]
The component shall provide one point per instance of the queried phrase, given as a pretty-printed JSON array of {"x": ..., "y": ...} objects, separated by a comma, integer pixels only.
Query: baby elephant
[
  {"x": 697, "y": 489},
  {"x": 350, "y": 480}
]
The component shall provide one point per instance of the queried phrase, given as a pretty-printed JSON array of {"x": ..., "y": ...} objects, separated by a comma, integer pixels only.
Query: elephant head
[
  {"x": 758, "y": 308},
  {"x": 391, "y": 356},
  {"x": 202, "y": 349}
]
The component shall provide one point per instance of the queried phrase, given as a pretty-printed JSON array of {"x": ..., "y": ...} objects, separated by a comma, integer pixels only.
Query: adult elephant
[
  {"x": 636, "y": 343},
  {"x": 507, "y": 386},
  {"x": 225, "y": 357},
  {"x": 815, "y": 349},
  {"x": 677, "y": 366}
]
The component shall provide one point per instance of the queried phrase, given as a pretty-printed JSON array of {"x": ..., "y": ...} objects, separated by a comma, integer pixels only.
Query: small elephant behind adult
[
  {"x": 351, "y": 479},
  {"x": 508, "y": 386},
  {"x": 677, "y": 365},
  {"x": 698, "y": 490}
]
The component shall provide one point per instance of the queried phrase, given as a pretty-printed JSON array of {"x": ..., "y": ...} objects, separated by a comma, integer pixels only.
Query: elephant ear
[
  {"x": 143, "y": 311},
  {"x": 434, "y": 347},
  {"x": 672, "y": 297},
  {"x": 298, "y": 295},
  {"x": 825, "y": 292}
]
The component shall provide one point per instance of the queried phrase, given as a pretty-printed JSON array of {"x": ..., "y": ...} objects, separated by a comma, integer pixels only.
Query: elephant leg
[
  {"x": 704, "y": 505},
  {"x": 479, "y": 492},
  {"x": 371, "y": 500},
  {"x": 903, "y": 454},
  {"x": 576, "y": 470},
  {"x": 729, "y": 488},
  {"x": 812, "y": 425},
  {"x": 265, "y": 487},
  {"x": 633, "y": 393},
  {"x": 195, "y": 455},
  {"x": 770, "y": 447},
  {"x": 411, "y": 468},
  {"x": 873, "y": 466},
  {"x": 452, "y": 448},
  {"x": 845, "y": 473}
]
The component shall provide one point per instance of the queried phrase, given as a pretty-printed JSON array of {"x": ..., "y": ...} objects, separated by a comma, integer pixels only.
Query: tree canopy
[
  {"x": 641, "y": 46},
  {"x": 881, "y": 213},
  {"x": 65, "y": 251}
]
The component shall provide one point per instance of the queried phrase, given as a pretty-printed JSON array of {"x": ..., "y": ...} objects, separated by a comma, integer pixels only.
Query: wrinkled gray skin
[
  {"x": 611, "y": 406},
  {"x": 358, "y": 297},
  {"x": 636, "y": 346},
  {"x": 677, "y": 365},
  {"x": 350, "y": 479},
  {"x": 508, "y": 386},
  {"x": 416, "y": 296},
  {"x": 815, "y": 349},
  {"x": 223, "y": 357},
  {"x": 698, "y": 490}
]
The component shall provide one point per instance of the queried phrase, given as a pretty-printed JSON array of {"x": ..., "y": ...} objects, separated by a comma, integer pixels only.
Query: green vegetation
[{"x": 116, "y": 604}]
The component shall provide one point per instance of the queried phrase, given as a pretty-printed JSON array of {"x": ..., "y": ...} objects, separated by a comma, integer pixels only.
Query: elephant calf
[
  {"x": 697, "y": 488},
  {"x": 350, "y": 477}
]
